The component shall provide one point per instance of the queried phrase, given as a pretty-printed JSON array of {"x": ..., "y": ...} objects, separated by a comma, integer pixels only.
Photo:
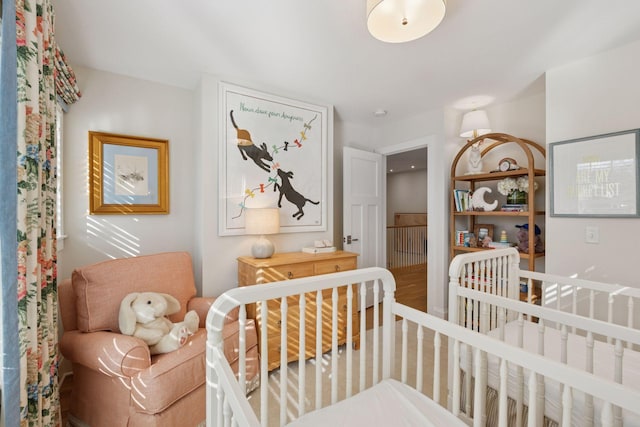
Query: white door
[{"x": 363, "y": 208}]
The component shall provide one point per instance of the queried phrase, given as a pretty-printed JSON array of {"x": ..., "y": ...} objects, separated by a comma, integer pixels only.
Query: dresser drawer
[
  {"x": 287, "y": 266},
  {"x": 334, "y": 265},
  {"x": 286, "y": 272}
]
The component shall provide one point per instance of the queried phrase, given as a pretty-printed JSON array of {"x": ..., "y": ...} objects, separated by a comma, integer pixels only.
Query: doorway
[
  {"x": 406, "y": 228},
  {"x": 437, "y": 226}
]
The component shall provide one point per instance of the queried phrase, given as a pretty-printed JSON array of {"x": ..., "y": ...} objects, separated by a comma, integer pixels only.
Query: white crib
[
  {"x": 587, "y": 325},
  {"x": 349, "y": 384}
]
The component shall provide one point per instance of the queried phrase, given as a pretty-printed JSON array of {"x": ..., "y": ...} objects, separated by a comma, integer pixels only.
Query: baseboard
[
  {"x": 440, "y": 312},
  {"x": 74, "y": 422}
]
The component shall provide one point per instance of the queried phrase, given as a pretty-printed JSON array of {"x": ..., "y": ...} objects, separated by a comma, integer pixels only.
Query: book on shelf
[
  {"x": 462, "y": 199},
  {"x": 460, "y": 236},
  {"x": 508, "y": 207}
]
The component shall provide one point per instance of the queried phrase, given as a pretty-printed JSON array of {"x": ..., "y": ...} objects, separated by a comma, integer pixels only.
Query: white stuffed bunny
[{"x": 143, "y": 315}]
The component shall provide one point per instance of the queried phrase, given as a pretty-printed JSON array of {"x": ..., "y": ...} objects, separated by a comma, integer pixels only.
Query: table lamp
[{"x": 262, "y": 221}]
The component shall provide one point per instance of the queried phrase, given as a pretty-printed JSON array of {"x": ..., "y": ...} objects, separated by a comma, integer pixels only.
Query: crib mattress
[
  {"x": 388, "y": 403},
  {"x": 603, "y": 355}
]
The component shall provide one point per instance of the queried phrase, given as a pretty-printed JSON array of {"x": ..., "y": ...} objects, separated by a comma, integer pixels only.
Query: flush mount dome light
[{"x": 397, "y": 21}]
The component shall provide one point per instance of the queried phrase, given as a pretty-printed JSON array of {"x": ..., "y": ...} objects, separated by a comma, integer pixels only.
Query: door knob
[{"x": 351, "y": 239}]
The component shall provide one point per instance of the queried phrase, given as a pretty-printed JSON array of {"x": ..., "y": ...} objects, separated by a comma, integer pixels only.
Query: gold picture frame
[{"x": 128, "y": 175}]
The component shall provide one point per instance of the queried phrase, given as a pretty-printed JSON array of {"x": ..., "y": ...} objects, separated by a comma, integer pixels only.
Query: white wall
[
  {"x": 123, "y": 105},
  {"x": 428, "y": 129},
  {"x": 406, "y": 193},
  {"x": 593, "y": 96}
]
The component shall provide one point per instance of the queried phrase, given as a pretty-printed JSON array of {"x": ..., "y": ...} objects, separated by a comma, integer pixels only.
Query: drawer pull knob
[
  {"x": 337, "y": 267},
  {"x": 279, "y": 323},
  {"x": 290, "y": 275}
]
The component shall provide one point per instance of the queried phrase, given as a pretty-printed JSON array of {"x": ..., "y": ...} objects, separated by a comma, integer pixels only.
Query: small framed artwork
[
  {"x": 481, "y": 231},
  {"x": 128, "y": 174},
  {"x": 596, "y": 176}
]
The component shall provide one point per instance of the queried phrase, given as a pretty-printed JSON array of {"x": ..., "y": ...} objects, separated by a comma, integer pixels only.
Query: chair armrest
[
  {"x": 108, "y": 352},
  {"x": 201, "y": 306}
]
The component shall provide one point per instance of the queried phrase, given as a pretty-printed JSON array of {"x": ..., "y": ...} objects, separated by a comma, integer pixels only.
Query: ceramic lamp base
[{"x": 262, "y": 248}]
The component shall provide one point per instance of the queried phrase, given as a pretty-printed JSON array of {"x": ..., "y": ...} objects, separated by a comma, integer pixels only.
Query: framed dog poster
[{"x": 273, "y": 153}]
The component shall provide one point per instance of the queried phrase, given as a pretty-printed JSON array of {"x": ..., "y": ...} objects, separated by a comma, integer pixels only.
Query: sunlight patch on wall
[{"x": 110, "y": 239}]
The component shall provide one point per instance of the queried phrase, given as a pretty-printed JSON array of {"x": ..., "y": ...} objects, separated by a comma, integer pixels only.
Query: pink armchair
[{"x": 116, "y": 380}]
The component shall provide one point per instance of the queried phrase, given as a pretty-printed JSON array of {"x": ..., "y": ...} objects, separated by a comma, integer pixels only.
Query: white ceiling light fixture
[
  {"x": 474, "y": 124},
  {"x": 398, "y": 21}
]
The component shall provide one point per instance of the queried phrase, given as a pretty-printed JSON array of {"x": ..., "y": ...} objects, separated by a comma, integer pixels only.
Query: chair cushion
[
  {"x": 174, "y": 375},
  {"x": 100, "y": 287},
  {"x": 171, "y": 376}
]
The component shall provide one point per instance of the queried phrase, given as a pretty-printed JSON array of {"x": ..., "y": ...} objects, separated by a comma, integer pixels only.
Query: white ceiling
[
  {"x": 407, "y": 161},
  {"x": 321, "y": 51}
]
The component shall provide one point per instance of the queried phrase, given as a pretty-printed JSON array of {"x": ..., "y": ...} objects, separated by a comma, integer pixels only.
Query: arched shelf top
[{"x": 499, "y": 139}]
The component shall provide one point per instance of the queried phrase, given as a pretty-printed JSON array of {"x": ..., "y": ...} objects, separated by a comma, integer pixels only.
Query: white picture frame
[
  {"x": 596, "y": 176},
  {"x": 273, "y": 153}
]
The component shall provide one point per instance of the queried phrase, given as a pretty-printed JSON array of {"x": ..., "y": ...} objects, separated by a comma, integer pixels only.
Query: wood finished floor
[{"x": 411, "y": 290}]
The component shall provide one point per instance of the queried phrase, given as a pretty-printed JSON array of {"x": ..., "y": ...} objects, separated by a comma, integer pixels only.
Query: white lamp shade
[
  {"x": 477, "y": 121},
  {"x": 262, "y": 221},
  {"x": 397, "y": 21}
]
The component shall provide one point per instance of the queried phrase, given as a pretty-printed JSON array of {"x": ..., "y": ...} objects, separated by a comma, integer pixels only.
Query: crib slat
[
  {"x": 501, "y": 321},
  {"x": 479, "y": 391},
  {"x": 376, "y": 333},
  {"x": 318, "y": 349},
  {"x": 403, "y": 371},
  {"x": 607, "y": 415},
  {"x": 456, "y": 379},
  {"x": 349, "y": 320},
  {"x": 502, "y": 394},
  {"x": 567, "y": 406},
  {"x": 574, "y": 304},
  {"x": 220, "y": 396},
  {"x": 302, "y": 380},
  {"x": 284, "y": 308},
  {"x": 618, "y": 351},
  {"x": 437, "y": 344},
  {"x": 630, "y": 318},
  {"x": 540, "y": 399},
  {"x": 495, "y": 289},
  {"x": 533, "y": 401},
  {"x": 610, "y": 301},
  {"x": 564, "y": 336},
  {"x": 519, "y": 395},
  {"x": 558, "y": 287},
  {"x": 541, "y": 337},
  {"x": 226, "y": 413},
  {"x": 467, "y": 379},
  {"x": 363, "y": 336},
  {"x": 589, "y": 409},
  {"x": 242, "y": 348},
  {"x": 264, "y": 367},
  {"x": 420, "y": 338},
  {"x": 334, "y": 345}
]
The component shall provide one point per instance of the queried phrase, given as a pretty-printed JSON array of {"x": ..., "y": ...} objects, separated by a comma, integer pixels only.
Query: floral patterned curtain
[
  {"x": 36, "y": 210},
  {"x": 66, "y": 85}
]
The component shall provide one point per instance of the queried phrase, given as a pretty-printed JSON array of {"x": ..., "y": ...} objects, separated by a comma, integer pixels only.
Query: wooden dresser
[{"x": 293, "y": 265}]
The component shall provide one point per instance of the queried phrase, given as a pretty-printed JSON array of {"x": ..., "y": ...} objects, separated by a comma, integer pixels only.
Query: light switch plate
[{"x": 591, "y": 235}]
